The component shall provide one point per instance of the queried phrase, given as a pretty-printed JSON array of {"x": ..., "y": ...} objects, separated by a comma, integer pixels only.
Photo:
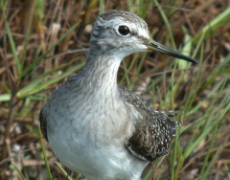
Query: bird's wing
[
  {"x": 153, "y": 129},
  {"x": 43, "y": 123}
]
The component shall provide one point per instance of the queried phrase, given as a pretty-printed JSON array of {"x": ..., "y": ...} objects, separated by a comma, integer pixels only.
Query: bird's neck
[{"x": 100, "y": 71}]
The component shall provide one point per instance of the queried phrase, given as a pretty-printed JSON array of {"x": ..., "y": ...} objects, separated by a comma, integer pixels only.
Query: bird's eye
[{"x": 123, "y": 30}]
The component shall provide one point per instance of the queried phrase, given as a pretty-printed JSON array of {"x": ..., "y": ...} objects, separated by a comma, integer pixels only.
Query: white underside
[
  {"x": 96, "y": 163},
  {"x": 92, "y": 146}
]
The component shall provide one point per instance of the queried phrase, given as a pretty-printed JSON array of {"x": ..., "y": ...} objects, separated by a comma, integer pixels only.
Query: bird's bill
[{"x": 161, "y": 48}]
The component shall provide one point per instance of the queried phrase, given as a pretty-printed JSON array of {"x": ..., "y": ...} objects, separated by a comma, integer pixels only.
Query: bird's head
[{"x": 125, "y": 33}]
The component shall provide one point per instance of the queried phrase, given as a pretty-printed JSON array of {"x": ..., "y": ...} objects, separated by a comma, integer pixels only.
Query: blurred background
[{"x": 43, "y": 42}]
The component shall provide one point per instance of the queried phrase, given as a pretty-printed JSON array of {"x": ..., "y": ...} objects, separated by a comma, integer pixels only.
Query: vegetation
[{"x": 44, "y": 42}]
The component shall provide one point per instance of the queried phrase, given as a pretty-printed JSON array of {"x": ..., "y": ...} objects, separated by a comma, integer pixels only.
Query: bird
[{"x": 96, "y": 127}]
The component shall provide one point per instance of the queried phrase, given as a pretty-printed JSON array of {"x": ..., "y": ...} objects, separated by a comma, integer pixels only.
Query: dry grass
[{"x": 37, "y": 38}]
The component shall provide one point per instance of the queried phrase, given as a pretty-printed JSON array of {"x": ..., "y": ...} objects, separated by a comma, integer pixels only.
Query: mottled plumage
[
  {"x": 98, "y": 128},
  {"x": 153, "y": 131}
]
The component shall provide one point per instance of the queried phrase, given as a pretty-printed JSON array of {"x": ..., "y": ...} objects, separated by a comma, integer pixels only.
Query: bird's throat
[{"x": 100, "y": 72}]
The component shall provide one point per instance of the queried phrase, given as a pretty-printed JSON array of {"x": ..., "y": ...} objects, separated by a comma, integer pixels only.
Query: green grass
[{"x": 201, "y": 93}]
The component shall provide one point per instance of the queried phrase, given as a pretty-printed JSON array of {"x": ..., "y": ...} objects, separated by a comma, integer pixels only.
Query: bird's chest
[
  {"x": 106, "y": 119},
  {"x": 99, "y": 117},
  {"x": 90, "y": 131}
]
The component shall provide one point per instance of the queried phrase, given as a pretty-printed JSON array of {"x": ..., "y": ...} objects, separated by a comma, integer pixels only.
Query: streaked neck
[{"x": 101, "y": 69}]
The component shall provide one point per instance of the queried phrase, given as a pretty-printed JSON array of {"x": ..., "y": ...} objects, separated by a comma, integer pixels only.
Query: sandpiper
[{"x": 94, "y": 126}]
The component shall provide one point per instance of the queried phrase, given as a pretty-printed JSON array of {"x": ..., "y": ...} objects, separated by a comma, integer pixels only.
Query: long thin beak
[{"x": 161, "y": 48}]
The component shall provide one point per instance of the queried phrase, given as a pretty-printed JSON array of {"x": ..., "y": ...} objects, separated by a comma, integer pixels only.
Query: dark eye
[{"x": 123, "y": 30}]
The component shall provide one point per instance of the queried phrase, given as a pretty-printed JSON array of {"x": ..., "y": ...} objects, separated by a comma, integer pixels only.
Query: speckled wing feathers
[{"x": 153, "y": 131}]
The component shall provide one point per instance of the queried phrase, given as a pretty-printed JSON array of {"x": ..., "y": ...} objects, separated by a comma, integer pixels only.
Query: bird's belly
[
  {"x": 95, "y": 162},
  {"x": 91, "y": 140}
]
